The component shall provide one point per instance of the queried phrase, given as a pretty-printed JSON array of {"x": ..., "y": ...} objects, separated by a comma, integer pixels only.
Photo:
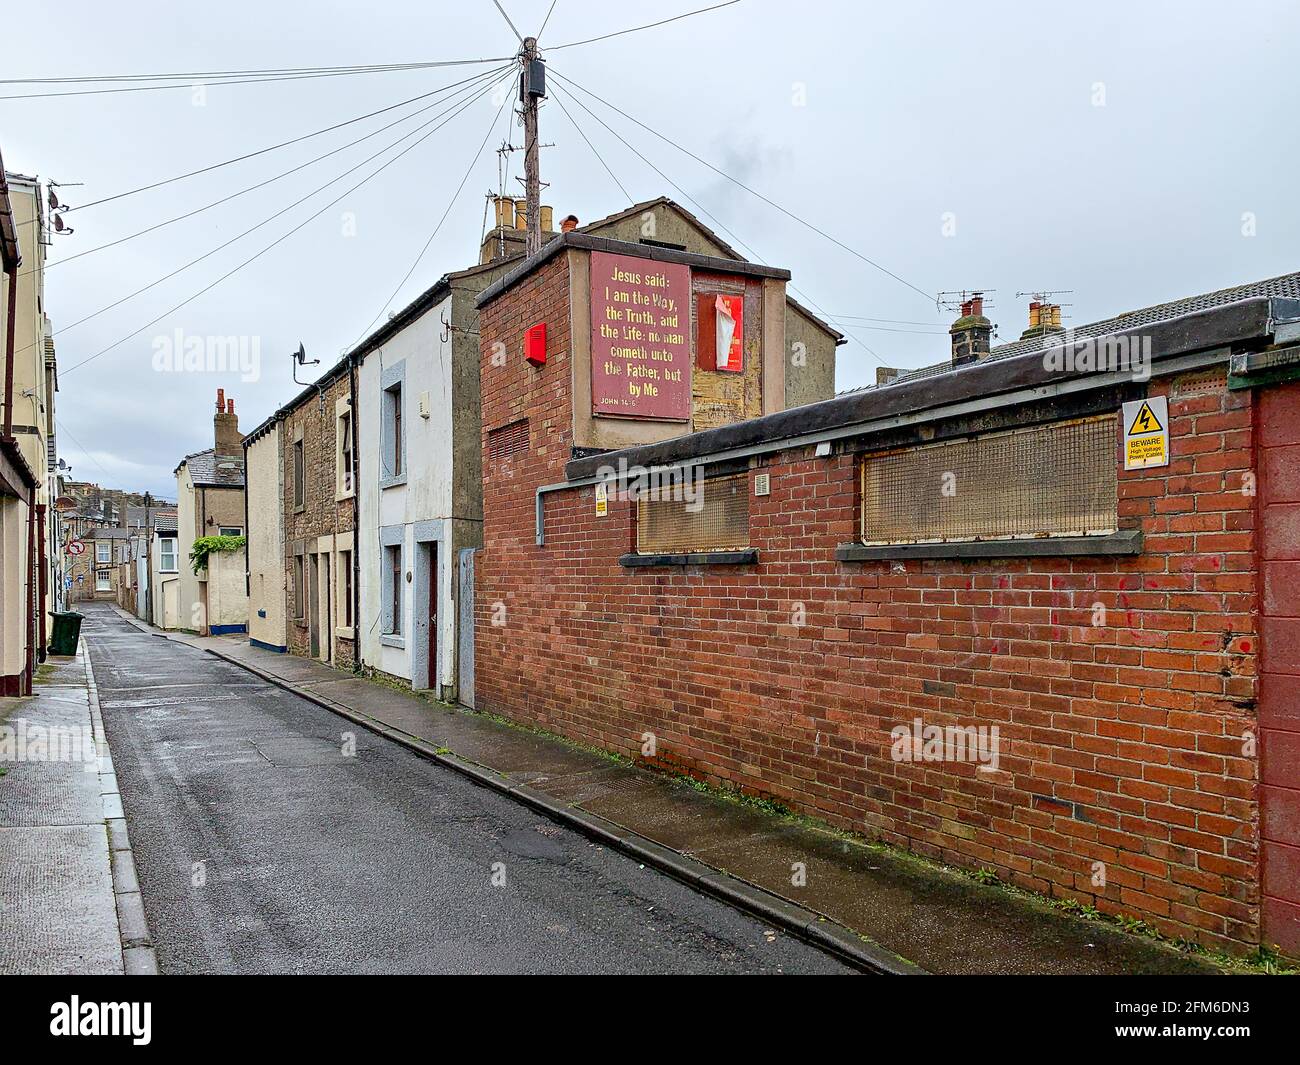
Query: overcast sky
[{"x": 1121, "y": 150}]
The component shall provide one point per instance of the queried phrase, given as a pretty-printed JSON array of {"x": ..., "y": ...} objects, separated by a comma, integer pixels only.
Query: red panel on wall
[
  {"x": 711, "y": 322},
  {"x": 640, "y": 338},
  {"x": 535, "y": 344}
]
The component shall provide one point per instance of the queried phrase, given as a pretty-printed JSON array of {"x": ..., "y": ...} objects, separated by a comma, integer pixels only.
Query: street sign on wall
[{"x": 640, "y": 338}]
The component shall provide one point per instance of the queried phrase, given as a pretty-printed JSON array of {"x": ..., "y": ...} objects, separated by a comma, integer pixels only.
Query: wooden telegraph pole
[{"x": 532, "y": 87}]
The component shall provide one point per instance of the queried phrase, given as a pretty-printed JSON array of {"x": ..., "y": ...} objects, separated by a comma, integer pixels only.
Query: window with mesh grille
[
  {"x": 508, "y": 440},
  {"x": 1050, "y": 480},
  {"x": 703, "y": 515}
]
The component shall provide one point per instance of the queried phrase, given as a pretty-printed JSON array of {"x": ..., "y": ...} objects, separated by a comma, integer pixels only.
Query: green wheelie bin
[{"x": 67, "y": 630}]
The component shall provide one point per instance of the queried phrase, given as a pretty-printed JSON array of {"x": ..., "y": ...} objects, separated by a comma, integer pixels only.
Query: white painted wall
[
  {"x": 266, "y": 563},
  {"x": 188, "y": 612},
  {"x": 426, "y": 496}
]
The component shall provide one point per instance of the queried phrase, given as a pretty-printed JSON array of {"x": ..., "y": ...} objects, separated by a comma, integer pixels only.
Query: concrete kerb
[
  {"x": 139, "y": 958},
  {"x": 812, "y": 927}
]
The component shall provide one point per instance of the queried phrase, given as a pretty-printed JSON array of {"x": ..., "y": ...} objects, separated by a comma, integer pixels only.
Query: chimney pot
[
  {"x": 230, "y": 406},
  {"x": 568, "y": 223},
  {"x": 221, "y": 400}
]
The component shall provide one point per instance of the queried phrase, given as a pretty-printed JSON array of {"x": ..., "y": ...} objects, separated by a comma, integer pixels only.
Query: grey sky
[{"x": 1107, "y": 148}]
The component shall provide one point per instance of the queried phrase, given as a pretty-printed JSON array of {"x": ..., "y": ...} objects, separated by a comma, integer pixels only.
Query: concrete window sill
[
  {"x": 392, "y": 482},
  {"x": 388, "y": 639},
  {"x": 695, "y": 558},
  {"x": 343, "y": 632},
  {"x": 1124, "y": 542}
]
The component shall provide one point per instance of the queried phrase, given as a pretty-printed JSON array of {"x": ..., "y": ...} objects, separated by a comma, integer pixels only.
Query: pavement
[
  {"x": 876, "y": 909},
  {"x": 273, "y": 836},
  {"x": 69, "y": 902}
]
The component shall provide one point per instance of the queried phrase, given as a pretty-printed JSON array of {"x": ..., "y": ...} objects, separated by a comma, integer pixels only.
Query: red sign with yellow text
[{"x": 640, "y": 338}]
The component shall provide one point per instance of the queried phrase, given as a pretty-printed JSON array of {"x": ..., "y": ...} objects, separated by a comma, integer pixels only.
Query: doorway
[
  {"x": 313, "y": 613},
  {"x": 326, "y": 622}
]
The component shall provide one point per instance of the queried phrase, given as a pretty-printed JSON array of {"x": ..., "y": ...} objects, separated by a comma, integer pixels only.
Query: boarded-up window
[
  {"x": 508, "y": 440},
  {"x": 699, "y": 515},
  {"x": 1050, "y": 480}
]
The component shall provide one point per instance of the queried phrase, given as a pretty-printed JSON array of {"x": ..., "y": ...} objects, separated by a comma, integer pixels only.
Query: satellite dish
[{"x": 54, "y": 200}]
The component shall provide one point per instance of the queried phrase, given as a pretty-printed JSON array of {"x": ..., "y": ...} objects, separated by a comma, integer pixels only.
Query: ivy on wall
[{"x": 209, "y": 545}]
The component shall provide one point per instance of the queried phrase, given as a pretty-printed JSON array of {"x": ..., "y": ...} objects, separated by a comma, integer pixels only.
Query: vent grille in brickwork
[
  {"x": 1050, "y": 480},
  {"x": 508, "y": 440},
  {"x": 703, "y": 515}
]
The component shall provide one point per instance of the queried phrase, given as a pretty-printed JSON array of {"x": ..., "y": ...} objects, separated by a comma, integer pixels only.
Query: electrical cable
[
  {"x": 647, "y": 26},
  {"x": 283, "y": 144},
  {"x": 736, "y": 181},
  {"x": 241, "y": 192},
  {"x": 462, "y": 107},
  {"x": 279, "y": 240},
  {"x": 451, "y": 203}
]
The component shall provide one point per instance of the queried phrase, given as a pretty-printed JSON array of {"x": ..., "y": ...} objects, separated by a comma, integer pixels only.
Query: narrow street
[{"x": 262, "y": 847}]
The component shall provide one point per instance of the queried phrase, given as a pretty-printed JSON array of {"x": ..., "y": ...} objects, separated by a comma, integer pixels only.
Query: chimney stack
[
  {"x": 1044, "y": 318},
  {"x": 225, "y": 427},
  {"x": 971, "y": 332}
]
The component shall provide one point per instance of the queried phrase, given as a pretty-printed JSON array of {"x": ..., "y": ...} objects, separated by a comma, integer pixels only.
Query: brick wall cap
[
  {"x": 586, "y": 242},
  {"x": 1247, "y": 320}
]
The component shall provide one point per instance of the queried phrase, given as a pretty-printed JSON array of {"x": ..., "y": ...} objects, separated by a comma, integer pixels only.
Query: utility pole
[{"x": 532, "y": 87}]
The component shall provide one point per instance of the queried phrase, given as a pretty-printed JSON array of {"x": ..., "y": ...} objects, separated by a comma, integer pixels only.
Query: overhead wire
[
  {"x": 284, "y": 144},
  {"x": 753, "y": 192},
  {"x": 450, "y": 204},
  {"x": 715, "y": 220},
  {"x": 229, "y": 273},
  {"x": 254, "y": 187},
  {"x": 647, "y": 26}
]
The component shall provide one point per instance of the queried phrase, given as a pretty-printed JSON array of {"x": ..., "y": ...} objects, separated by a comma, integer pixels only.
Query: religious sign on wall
[{"x": 640, "y": 338}]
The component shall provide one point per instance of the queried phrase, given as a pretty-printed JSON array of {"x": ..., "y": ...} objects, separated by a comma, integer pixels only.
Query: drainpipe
[
  {"x": 44, "y": 585},
  {"x": 248, "y": 554},
  {"x": 11, "y": 315},
  {"x": 31, "y": 589},
  {"x": 357, "y": 662}
]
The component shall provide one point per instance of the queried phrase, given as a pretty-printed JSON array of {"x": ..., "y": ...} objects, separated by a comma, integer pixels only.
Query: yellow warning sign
[
  {"x": 1146, "y": 433},
  {"x": 602, "y": 499}
]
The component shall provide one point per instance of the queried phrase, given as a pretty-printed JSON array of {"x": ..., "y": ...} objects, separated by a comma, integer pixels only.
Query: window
[
  {"x": 103, "y": 551},
  {"x": 230, "y": 530},
  {"x": 694, "y": 515},
  {"x": 102, "y": 583},
  {"x": 1048, "y": 480},
  {"x": 345, "y": 589},
  {"x": 299, "y": 475},
  {"x": 343, "y": 457},
  {"x": 299, "y": 606},
  {"x": 395, "y": 442},
  {"x": 167, "y": 554},
  {"x": 393, "y": 582}
]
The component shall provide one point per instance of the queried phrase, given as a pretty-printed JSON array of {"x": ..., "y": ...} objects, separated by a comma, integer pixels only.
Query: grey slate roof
[
  {"x": 165, "y": 523},
  {"x": 1286, "y": 285},
  {"x": 207, "y": 472}
]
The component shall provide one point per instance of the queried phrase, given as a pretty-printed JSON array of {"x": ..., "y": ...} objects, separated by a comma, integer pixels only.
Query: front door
[
  {"x": 434, "y": 671},
  {"x": 313, "y": 606},
  {"x": 326, "y": 622}
]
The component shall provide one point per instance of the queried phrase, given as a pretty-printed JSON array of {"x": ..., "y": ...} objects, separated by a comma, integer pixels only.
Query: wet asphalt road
[{"x": 261, "y": 847}]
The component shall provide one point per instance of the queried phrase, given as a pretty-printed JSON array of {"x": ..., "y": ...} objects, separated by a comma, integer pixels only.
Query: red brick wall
[
  {"x": 1120, "y": 743},
  {"x": 1279, "y": 706}
]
